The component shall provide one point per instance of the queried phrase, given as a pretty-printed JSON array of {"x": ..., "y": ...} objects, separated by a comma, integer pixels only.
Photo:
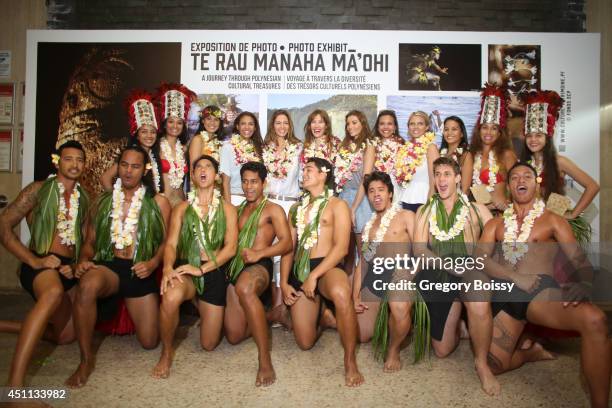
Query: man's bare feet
[
  {"x": 265, "y": 375},
  {"x": 162, "y": 369},
  {"x": 279, "y": 315},
  {"x": 81, "y": 374},
  {"x": 540, "y": 353},
  {"x": 353, "y": 377},
  {"x": 392, "y": 362},
  {"x": 489, "y": 383}
]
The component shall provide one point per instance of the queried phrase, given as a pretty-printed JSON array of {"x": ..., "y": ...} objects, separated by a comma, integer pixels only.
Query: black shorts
[
  {"x": 438, "y": 302},
  {"x": 215, "y": 287},
  {"x": 295, "y": 282},
  {"x": 266, "y": 295},
  {"x": 28, "y": 274},
  {"x": 510, "y": 302},
  {"x": 411, "y": 207},
  {"x": 130, "y": 285}
]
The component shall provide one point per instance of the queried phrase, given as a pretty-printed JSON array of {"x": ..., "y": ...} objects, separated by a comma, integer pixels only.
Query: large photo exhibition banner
[{"x": 77, "y": 81}]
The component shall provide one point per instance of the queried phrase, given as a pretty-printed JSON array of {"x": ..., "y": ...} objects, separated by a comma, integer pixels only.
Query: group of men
[{"x": 82, "y": 258}]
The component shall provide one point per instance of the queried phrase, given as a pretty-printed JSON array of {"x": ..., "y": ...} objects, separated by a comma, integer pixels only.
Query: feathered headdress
[
  {"x": 493, "y": 105},
  {"x": 174, "y": 100},
  {"x": 141, "y": 110},
  {"x": 542, "y": 112}
]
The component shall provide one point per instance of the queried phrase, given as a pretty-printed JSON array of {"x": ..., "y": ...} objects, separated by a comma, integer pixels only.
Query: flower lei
[
  {"x": 455, "y": 155},
  {"x": 177, "y": 164},
  {"x": 121, "y": 232},
  {"x": 369, "y": 247},
  {"x": 244, "y": 150},
  {"x": 515, "y": 245},
  {"x": 279, "y": 162},
  {"x": 66, "y": 219},
  {"x": 456, "y": 228},
  {"x": 154, "y": 171},
  {"x": 347, "y": 161},
  {"x": 312, "y": 239},
  {"x": 410, "y": 157},
  {"x": 386, "y": 150},
  {"x": 320, "y": 148},
  {"x": 493, "y": 170},
  {"x": 204, "y": 236},
  {"x": 210, "y": 145}
]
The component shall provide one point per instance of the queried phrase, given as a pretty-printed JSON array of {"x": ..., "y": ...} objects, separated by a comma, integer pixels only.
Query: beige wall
[
  {"x": 599, "y": 20},
  {"x": 15, "y": 18}
]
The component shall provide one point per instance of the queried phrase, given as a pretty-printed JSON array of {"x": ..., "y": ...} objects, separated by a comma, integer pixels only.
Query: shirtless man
[
  {"x": 46, "y": 271},
  {"x": 398, "y": 227},
  {"x": 203, "y": 236},
  {"x": 124, "y": 246},
  {"x": 320, "y": 226},
  {"x": 543, "y": 302},
  {"x": 250, "y": 271},
  {"x": 445, "y": 307}
]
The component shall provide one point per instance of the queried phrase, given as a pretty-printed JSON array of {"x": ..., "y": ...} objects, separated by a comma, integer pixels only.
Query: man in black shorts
[
  {"x": 46, "y": 269},
  {"x": 528, "y": 233},
  {"x": 447, "y": 228},
  {"x": 203, "y": 236},
  {"x": 320, "y": 227},
  {"x": 123, "y": 248},
  {"x": 250, "y": 271}
]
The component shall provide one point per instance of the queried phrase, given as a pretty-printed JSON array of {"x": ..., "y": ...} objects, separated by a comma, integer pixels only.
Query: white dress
[{"x": 417, "y": 189}]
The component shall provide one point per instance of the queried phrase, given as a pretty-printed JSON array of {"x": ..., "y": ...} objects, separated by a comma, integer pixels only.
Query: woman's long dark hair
[
  {"x": 551, "y": 176},
  {"x": 155, "y": 150},
  {"x": 256, "y": 137},
  {"x": 463, "y": 143}
]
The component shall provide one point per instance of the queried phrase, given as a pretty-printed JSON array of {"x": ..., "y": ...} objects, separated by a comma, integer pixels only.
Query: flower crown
[{"x": 211, "y": 112}]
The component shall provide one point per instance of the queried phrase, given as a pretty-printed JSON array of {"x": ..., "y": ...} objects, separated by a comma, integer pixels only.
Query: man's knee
[
  {"x": 594, "y": 321},
  {"x": 479, "y": 310},
  {"x": 88, "y": 290},
  {"x": 400, "y": 311},
  {"x": 52, "y": 296},
  {"x": 234, "y": 336},
  {"x": 245, "y": 289},
  {"x": 305, "y": 342},
  {"x": 209, "y": 344},
  {"x": 341, "y": 296},
  {"x": 149, "y": 342},
  {"x": 442, "y": 350},
  {"x": 172, "y": 300}
]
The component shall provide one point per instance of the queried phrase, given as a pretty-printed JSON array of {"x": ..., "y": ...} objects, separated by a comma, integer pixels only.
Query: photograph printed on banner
[
  {"x": 337, "y": 106},
  {"x": 231, "y": 106},
  {"x": 80, "y": 94},
  {"x": 438, "y": 108},
  {"x": 439, "y": 67},
  {"x": 518, "y": 68}
]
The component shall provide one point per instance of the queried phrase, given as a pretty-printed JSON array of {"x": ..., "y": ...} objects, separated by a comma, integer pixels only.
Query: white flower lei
[
  {"x": 177, "y": 164},
  {"x": 154, "y": 171},
  {"x": 347, "y": 161},
  {"x": 244, "y": 150},
  {"x": 454, "y": 155},
  {"x": 380, "y": 233},
  {"x": 458, "y": 225},
  {"x": 192, "y": 198},
  {"x": 279, "y": 163},
  {"x": 493, "y": 170},
  {"x": 301, "y": 218},
  {"x": 320, "y": 148},
  {"x": 539, "y": 168},
  {"x": 121, "y": 232},
  {"x": 66, "y": 219},
  {"x": 514, "y": 246}
]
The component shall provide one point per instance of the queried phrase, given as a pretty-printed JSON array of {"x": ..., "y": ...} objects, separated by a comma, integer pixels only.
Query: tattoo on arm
[{"x": 17, "y": 211}]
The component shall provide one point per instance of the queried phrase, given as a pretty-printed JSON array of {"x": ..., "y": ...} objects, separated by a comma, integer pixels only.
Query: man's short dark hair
[
  {"x": 324, "y": 164},
  {"x": 524, "y": 164},
  {"x": 255, "y": 167},
  {"x": 378, "y": 176},
  {"x": 211, "y": 159},
  {"x": 73, "y": 144},
  {"x": 447, "y": 161}
]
